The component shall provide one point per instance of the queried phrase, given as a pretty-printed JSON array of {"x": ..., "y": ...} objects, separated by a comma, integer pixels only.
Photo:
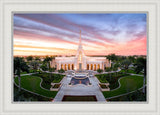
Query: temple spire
[{"x": 80, "y": 38}]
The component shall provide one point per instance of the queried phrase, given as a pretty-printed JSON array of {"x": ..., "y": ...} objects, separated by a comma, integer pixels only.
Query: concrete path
[
  {"x": 25, "y": 74},
  {"x": 79, "y": 89}
]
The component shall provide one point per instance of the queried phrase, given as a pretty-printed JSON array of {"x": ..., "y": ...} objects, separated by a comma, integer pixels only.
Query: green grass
[
  {"x": 33, "y": 84},
  {"x": 112, "y": 78},
  {"x": 23, "y": 73},
  {"x": 135, "y": 96},
  {"x": 128, "y": 84},
  {"x": 27, "y": 96},
  {"x": 48, "y": 78},
  {"x": 132, "y": 71}
]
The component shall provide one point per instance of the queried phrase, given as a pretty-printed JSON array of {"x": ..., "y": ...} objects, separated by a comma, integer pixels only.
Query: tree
[
  {"x": 112, "y": 57},
  {"x": 131, "y": 58},
  {"x": 44, "y": 67},
  {"x": 29, "y": 58},
  {"x": 20, "y": 65},
  {"x": 34, "y": 65},
  {"x": 47, "y": 60},
  {"x": 115, "y": 67},
  {"x": 141, "y": 65},
  {"x": 121, "y": 58},
  {"x": 125, "y": 64},
  {"x": 108, "y": 69},
  {"x": 38, "y": 60}
]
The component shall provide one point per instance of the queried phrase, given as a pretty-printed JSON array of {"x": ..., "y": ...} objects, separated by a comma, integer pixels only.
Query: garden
[
  {"x": 27, "y": 96},
  {"x": 49, "y": 78},
  {"x": 40, "y": 83},
  {"x": 111, "y": 78},
  {"x": 127, "y": 84}
]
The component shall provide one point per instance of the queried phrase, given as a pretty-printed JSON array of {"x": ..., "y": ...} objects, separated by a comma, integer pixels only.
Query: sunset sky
[{"x": 58, "y": 34}]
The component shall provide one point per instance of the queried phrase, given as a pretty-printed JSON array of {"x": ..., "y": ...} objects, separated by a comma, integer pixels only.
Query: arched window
[
  {"x": 65, "y": 67},
  {"x": 94, "y": 67},
  {"x": 69, "y": 67},
  {"x": 72, "y": 66},
  {"x": 62, "y": 66},
  {"x": 91, "y": 66},
  {"x": 87, "y": 66}
]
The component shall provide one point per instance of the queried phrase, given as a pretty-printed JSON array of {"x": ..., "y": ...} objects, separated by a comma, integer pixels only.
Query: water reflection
[{"x": 80, "y": 80}]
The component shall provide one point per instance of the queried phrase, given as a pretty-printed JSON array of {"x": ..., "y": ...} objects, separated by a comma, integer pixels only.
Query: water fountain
[{"x": 80, "y": 78}]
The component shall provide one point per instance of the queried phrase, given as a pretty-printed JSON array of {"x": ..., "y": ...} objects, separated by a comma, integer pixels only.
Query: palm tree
[
  {"x": 34, "y": 65},
  {"x": 47, "y": 60},
  {"x": 20, "y": 65},
  {"x": 108, "y": 69},
  {"x": 125, "y": 64},
  {"x": 115, "y": 67},
  {"x": 141, "y": 65},
  {"x": 38, "y": 60}
]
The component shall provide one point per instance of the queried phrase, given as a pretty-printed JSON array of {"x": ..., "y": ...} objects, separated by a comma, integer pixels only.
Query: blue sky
[{"x": 102, "y": 31}]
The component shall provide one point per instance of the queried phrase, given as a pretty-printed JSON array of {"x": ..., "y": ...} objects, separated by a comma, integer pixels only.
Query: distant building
[{"x": 80, "y": 61}]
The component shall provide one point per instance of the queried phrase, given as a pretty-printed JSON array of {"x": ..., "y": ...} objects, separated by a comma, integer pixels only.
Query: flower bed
[
  {"x": 104, "y": 86},
  {"x": 55, "y": 86}
]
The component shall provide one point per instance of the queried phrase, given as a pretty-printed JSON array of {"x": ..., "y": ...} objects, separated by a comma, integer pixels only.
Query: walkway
[
  {"x": 26, "y": 74},
  {"x": 79, "y": 89}
]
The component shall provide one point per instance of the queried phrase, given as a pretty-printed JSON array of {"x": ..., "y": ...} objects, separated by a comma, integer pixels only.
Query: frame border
[{"x": 2, "y": 51}]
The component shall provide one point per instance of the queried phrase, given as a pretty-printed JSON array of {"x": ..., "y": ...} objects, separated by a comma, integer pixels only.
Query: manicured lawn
[
  {"x": 131, "y": 71},
  {"x": 27, "y": 96},
  {"x": 23, "y": 73},
  {"x": 79, "y": 98},
  {"x": 135, "y": 96},
  {"x": 32, "y": 83},
  {"x": 112, "y": 78},
  {"x": 128, "y": 84},
  {"x": 48, "y": 78}
]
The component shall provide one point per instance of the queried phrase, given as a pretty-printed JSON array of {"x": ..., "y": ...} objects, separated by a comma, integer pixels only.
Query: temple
[{"x": 80, "y": 61}]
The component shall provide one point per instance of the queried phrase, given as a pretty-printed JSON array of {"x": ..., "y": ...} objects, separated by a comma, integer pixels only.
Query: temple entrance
[
  {"x": 69, "y": 67},
  {"x": 80, "y": 66},
  {"x": 91, "y": 66},
  {"x": 94, "y": 67}
]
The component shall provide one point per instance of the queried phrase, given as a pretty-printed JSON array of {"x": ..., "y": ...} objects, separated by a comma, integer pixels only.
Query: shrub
[
  {"x": 52, "y": 69},
  {"x": 56, "y": 85},
  {"x": 107, "y": 69},
  {"x": 103, "y": 86},
  {"x": 61, "y": 71},
  {"x": 99, "y": 70}
]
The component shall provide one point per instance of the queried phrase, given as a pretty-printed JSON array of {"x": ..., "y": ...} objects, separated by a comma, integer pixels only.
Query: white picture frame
[{"x": 7, "y": 7}]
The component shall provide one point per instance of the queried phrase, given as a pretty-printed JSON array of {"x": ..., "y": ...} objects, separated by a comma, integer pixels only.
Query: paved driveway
[{"x": 79, "y": 89}]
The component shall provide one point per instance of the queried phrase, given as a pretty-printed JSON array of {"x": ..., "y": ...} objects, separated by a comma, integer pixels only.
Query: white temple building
[{"x": 80, "y": 61}]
